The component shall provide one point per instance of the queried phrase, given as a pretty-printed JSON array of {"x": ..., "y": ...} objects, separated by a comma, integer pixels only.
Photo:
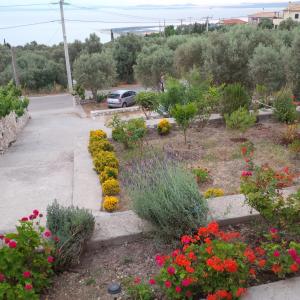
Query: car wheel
[{"x": 124, "y": 105}]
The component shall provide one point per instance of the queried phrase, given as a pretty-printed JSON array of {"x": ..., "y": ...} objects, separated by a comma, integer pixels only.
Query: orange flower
[
  {"x": 215, "y": 263},
  {"x": 192, "y": 256},
  {"x": 294, "y": 267},
  {"x": 213, "y": 228},
  {"x": 207, "y": 241},
  {"x": 189, "y": 269},
  {"x": 276, "y": 268},
  {"x": 209, "y": 250},
  {"x": 261, "y": 263},
  {"x": 252, "y": 272},
  {"x": 182, "y": 261},
  {"x": 240, "y": 292},
  {"x": 260, "y": 251},
  {"x": 202, "y": 231},
  {"x": 249, "y": 253},
  {"x": 230, "y": 265}
]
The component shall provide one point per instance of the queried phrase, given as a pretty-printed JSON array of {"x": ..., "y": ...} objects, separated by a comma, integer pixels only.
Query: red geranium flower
[
  {"x": 12, "y": 244},
  {"x": 26, "y": 274},
  {"x": 276, "y": 268},
  {"x": 294, "y": 267},
  {"x": 6, "y": 240},
  {"x": 24, "y": 219},
  {"x": 28, "y": 286},
  {"x": 240, "y": 292},
  {"x": 213, "y": 228},
  {"x": 36, "y": 212},
  {"x": 47, "y": 233},
  {"x": 178, "y": 289},
  {"x": 171, "y": 270},
  {"x": 230, "y": 265},
  {"x": 276, "y": 253},
  {"x": 152, "y": 281},
  {"x": 186, "y": 282},
  {"x": 261, "y": 263},
  {"x": 137, "y": 280},
  {"x": 2, "y": 277},
  {"x": 168, "y": 284},
  {"x": 186, "y": 239},
  {"x": 188, "y": 294},
  {"x": 212, "y": 297},
  {"x": 1, "y": 236},
  {"x": 50, "y": 259}
]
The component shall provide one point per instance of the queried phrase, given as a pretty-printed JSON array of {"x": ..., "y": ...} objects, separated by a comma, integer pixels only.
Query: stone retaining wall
[
  {"x": 78, "y": 101},
  {"x": 10, "y": 126}
]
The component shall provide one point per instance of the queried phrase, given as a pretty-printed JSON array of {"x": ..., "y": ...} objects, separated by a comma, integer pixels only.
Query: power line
[
  {"x": 23, "y": 5},
  {"x": 30, "y": 24}
]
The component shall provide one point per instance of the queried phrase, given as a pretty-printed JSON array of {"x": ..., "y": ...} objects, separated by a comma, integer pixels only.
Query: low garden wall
[
  {"x": 10, "y": 126},
  {"x": 78, "y": 101}
]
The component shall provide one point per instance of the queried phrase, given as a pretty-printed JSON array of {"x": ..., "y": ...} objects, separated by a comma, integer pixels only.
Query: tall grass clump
[
  {"x": 73, "y": 227},
  {"x": 166, "y": 195}
]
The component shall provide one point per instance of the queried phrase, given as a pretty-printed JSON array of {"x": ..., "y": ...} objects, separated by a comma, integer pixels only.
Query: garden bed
[
  {"x": 217, "y": 149},
  {"x": 101, "y": 267}
]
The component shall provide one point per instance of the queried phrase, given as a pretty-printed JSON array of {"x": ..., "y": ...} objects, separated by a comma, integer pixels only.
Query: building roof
[
  {"x": 293, "y": 7},
  {"x": 264, "y": 14},
  {"x": 232, "y": 21}
]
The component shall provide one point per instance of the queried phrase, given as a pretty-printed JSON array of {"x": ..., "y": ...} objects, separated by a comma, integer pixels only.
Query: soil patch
[{"x": 216, "y": 149}]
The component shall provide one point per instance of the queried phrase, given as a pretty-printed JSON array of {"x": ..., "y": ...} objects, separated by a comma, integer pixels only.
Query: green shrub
[
  {"x": 202, "y": 175},
  {"x": 148, "y": 101},
  {"x": 129, "y": 133},
  {"x": 235, "y": 96},
  {"x": 25, "y": 260},
  {"x": 295, "y": 146},
  {"x": 79, "y": 91},
  {"x": 165, "y": 195},
  {"x": 10, "y": 101},
  {"x": 240, "y": 120},
  {"x": 284, "y": 109},
  {"x": 73, "y": 227},
  {"x": 138, "y": 290},
  {"x": 184, "y": 116},
  {"x": 101, "y": 97}
]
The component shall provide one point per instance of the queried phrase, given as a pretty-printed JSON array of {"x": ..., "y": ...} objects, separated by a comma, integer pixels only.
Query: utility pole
[
  {"x": 14, "y": 63},
  {"x": 207, "y": 24},
  {"x": 67, "y": 58},
  {"x": 164, "y": 28}
]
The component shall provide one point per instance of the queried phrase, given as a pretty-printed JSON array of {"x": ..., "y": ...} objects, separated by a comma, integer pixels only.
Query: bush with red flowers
[
  {"x": 262, "y": 191},
  {"x": 217, "y": 265},
  {"x": 25, "y": 267}
]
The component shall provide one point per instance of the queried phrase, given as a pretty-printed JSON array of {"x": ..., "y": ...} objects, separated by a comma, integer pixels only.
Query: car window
[
  {"x": 114, "y": 96},
  {"x": 132, "y": 93},
  {"x": 125, "y": 95}
]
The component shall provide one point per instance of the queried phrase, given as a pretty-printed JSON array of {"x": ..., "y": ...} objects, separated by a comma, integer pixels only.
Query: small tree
[
  {"x": 95, "y": 71},
  {"x": 148, "y": 101},
  {"x": 184, "y": 116},
  {"x": 266, "y": 23}
]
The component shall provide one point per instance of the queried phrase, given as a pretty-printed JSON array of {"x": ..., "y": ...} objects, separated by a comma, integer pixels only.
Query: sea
[{"x": 22, "y": 25}]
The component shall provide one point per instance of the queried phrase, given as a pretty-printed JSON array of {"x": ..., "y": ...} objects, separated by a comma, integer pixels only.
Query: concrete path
[{"x": 39, "y": 167}]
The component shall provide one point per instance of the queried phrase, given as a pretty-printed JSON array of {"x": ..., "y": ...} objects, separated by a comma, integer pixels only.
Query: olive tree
[
  {"x": 95, "y": 71},
  {"x": 267, "y": 68},
  {"x": 152, "y": 63},
  {"x": 125, "y": 51}
]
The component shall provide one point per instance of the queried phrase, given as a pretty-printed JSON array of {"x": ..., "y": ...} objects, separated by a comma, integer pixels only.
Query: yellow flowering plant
[
  {"x": 110, "y": 203},
  {"x": 111, "y": 187},
  {"x": 213, "y": 192},
  {"x": 164, "y": 127}
]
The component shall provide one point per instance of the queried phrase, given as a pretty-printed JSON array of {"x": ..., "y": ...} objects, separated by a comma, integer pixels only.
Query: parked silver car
[{"x": 121, "y": 98}]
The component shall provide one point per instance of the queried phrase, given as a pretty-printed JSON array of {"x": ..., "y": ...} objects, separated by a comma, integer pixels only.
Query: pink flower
[
  {"x": 2, "y": 277},
  {"x": 1, "y": 236},
  {"x": 178, "y": 289},
  {"x": 6, "y": 240},
  {"x": 160, "y": 260},
  {"x": 32, "y": 217},
  {"x": 12, "y": 244},
  {"x": 171, "y": 270},
  {"x": 47, "y": 233},
  {"x": 246, "y": 173},
  {"x": 186, "y": 239},
  {"x": 36, "y": 212},
  {"x": 276, "y": 253},
  {"x": 24, "y": 219},
  {"x": 137, "y": 280},
  {"x": 50, "y": 259},
  {"x": 152, "y": 281},
  {"x": 186, "y": 282},
  {"x": 26, "y": 274},
  {"x": 28, "y": 286},
  {"x": 274, "y": 230},
  {"x": 56, "y": 239},
  {"x": 168, "y": 284},
  {"x": 293, "y": 253},
  {"x": 297, "y": 260}
]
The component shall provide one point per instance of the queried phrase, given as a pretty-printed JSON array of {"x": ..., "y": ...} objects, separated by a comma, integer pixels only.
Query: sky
[{"x": 87, "y": 16}]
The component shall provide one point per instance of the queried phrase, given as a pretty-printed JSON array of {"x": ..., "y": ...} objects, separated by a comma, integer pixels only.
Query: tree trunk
[{"x": 94, "y": 93}]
